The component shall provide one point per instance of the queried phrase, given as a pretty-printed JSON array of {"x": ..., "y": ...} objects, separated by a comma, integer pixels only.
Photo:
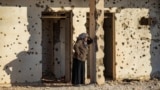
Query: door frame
[
  {"x": 114, "y": 45},
  {"x": 69, "y": 37}
]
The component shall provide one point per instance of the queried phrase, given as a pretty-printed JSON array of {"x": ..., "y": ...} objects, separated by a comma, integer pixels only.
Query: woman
[{"x": 79, "y": 58}]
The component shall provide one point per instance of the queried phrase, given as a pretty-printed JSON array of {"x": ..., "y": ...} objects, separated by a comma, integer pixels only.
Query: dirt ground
[{"x": 109, "y": 85}]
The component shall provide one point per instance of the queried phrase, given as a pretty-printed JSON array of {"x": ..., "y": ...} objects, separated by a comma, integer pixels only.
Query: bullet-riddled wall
[
  {"x": 21, "y": 36},
  {"x": 136, "y": 45}
]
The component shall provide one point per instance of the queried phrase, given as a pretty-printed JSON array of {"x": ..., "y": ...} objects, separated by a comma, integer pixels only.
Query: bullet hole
[
  {"x": 77, "y": 20},
  {"x": 52, "y": 1},
  {"x": 58, "y": 62},
  {"x": 139, "y": 27},
  {"x": 19, "y": 71},
  {"x": 15, "y": 53},
  {"x": 4, "y": 34},
  {"x": 60, "y": 2},
  {"x": 30, "y": 68},
  {"x": 99, "y": 76},
  {"x": 19, "y": 43},
  {"x": 115, "y": 43},
  {"x": 99, "y": 70},
  {"x": 36, "y": 53},
  {"x": 40, "y": 61},
  {"x": 70, "y": 0},
  {"x": 31, "y": 48},
  {"x": 56, "y": 49},
  {"x": 134, "y": 57},
  {"x": 0, "y": 56},
  {"x": 127, "y": 64},
  {"x": 122, "y": 43},
  {"x": 143, "y": 43},
  {"x": 132, "y": 68},
  {"x": 142, "y": 64},
  {"x": 102, "y": 47},
  {"x": 140, "y": 57},
  {"x": 155, "y": 47},
  {"x": 114, "y": 2},
  {"x": 19, "y": 60},
  {"x": 1, "y": 78},
  {"x": 32, "y": 26},
  {"x": 56, "y": 59},
  {"x": 143, "y": 55},
  {"x": 19, "y": 6},
  {"x": 121, "y": 67}
]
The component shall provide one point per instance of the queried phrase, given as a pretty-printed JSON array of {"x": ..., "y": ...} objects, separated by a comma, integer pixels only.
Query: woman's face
[{"x": 85, "y": 39}]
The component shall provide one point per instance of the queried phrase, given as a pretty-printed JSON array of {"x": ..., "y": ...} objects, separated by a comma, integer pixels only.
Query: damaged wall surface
[
  {"x": 136, "y": 46},
  {"x": 21, "y": 32}
]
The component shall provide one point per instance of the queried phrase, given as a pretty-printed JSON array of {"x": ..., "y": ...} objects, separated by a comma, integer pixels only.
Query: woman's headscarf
[{"x": 82, "y": 36}]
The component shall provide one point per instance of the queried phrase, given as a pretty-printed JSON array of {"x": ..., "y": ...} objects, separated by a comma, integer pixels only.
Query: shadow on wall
[
  {"x": 18, "y": 69},
  {"x": 26, "y": 68},
  {"x": 155, "y": 45}
]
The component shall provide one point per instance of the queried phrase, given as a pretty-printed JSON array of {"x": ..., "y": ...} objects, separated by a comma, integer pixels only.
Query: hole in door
[
  {"x": 56, "y": 46},
  {"x": 109, "y": 47}
]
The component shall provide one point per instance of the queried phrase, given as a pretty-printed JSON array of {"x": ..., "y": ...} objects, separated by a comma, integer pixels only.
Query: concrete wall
[
  {"x": 20, "y": 36},
  {"x": 137, "y": 46}
]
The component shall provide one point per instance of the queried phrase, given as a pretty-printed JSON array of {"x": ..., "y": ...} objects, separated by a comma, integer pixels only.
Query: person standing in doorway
[{"x": 79, "y": 58}]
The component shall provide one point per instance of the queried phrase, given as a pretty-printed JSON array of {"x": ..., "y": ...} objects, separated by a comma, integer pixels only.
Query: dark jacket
[{"x": 81, "y": 49}]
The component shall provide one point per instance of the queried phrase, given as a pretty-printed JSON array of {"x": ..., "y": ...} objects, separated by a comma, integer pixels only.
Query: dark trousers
[{"x": 78, "y": 72}]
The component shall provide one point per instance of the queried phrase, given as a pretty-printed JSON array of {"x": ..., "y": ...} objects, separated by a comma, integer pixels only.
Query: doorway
[
  {"x": 109, "y": 46},
  {"x": 56, "y": 46}
]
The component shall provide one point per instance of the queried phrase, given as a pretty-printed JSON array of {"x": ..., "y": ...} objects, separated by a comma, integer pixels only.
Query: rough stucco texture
[
  {"x": 137, "y": 46},
  {"x": 21, "y": 32}
]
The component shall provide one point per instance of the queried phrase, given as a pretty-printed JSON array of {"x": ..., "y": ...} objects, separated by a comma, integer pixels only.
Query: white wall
[
  {"x": 137, "y": 46},
  {"x": 20, "y": 36}
]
